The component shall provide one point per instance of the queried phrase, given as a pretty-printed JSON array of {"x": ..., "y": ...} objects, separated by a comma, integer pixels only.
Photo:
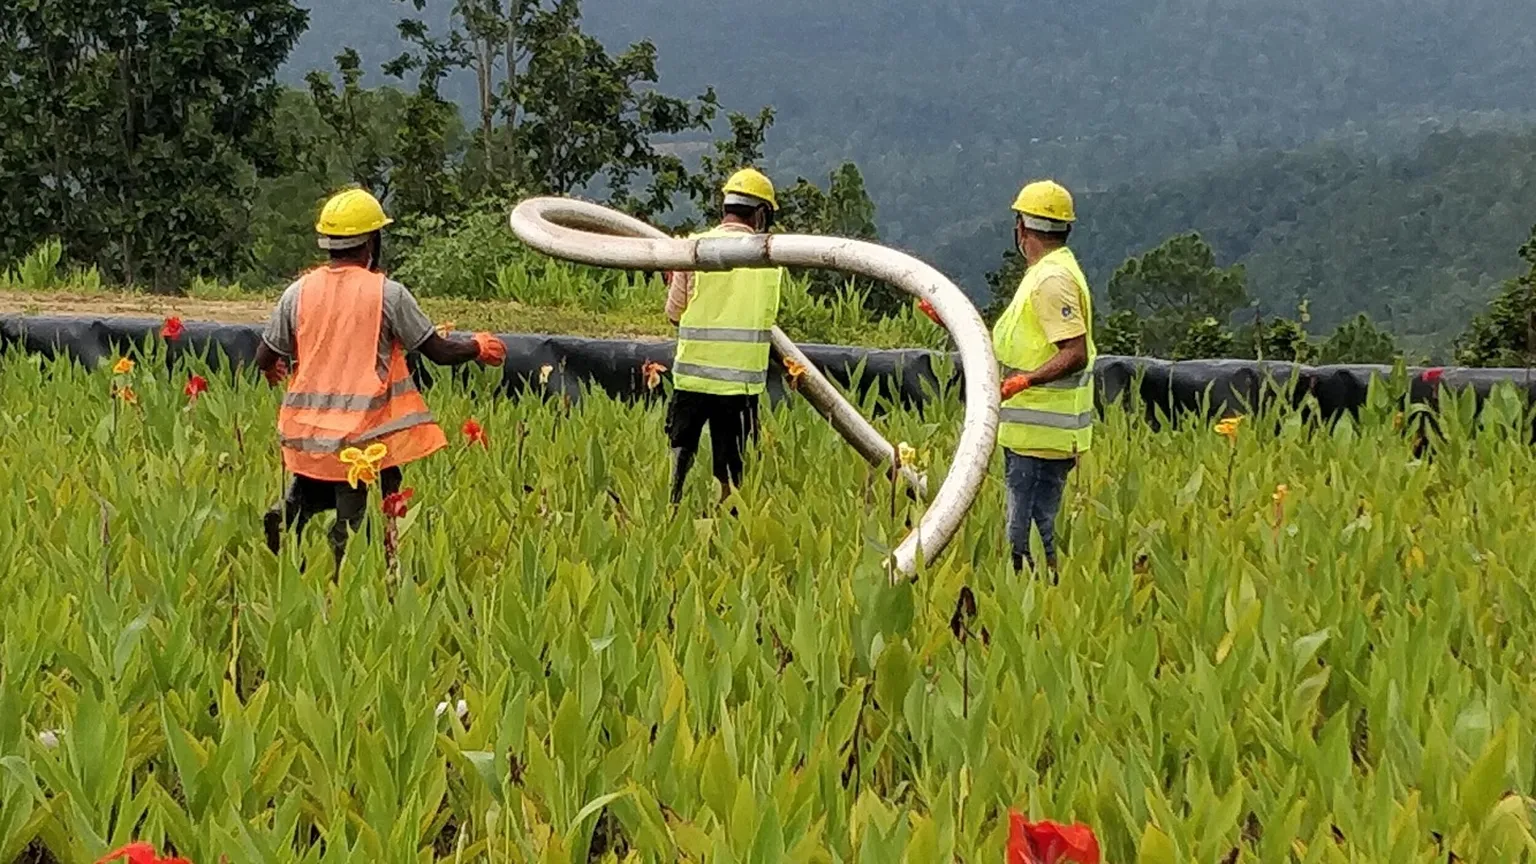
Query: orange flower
[
  {"x": 1229, "y": 427},
  {"x": 123, "y": 366},
  {"x": 126, "y": 394},
  {"x": 197, "y": 385},
  {"x": 651, "y": 372},
  {"x": 795, "y": 371},
  {"x": 474, "y": 433},
  {"x": 172, "y": 329}
]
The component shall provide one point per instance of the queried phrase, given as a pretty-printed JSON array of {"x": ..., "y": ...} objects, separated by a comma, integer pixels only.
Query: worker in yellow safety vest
[
  {"x": 723, "y": 323},
  {"x": 1044, "y": 341},
  {"x": 344, "y": 329}
]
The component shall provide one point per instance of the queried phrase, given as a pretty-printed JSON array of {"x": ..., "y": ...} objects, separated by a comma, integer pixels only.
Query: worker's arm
[
  {"x": 1071, "y": 357},
  {"x": 267, "y": 360},
  {"x": 1059, "y": 308},
  {"x": 414, "y": 330},
  {"x": 679, "y": 291},
  {"x": 449, "y": 352},
  {"x": 275, "y": 349}
]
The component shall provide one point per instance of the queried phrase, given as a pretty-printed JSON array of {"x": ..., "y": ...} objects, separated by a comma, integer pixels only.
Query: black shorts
[{"x": 732, "y": 422}]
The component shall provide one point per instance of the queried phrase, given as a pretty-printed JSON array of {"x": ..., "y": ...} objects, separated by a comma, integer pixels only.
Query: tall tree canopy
[{"x": 134, "y": 129}]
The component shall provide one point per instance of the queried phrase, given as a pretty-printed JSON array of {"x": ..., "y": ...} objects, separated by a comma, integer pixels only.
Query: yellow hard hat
[
  {"x": 348, "y": 218},
  {"x": 753, "y": 184},
  {"x": 1046, "y": 206}
]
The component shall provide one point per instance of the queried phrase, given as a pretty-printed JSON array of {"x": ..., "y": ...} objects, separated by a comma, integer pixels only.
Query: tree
[
  {"x": 557, "y": 111},
  {"x": 1175, "y": 288},
  {"x": 1119, "y": 334},
  {"x": 844, "y": 209},
  {"x": 1204, "y": 339},
  {"x": 1003, "y": 283},
  {"x": 1505, "y": 334},
  {"x": 1358, "y": 340},
  {"x": 136, "y": 129}
]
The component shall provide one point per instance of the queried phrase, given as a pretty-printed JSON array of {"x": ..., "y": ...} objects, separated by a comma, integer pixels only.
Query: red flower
[
  {"x": 1049, "y": 842},
  {"x": 475, "y": 434},
  {"x": 395, "y": 503},
  {"x": 139, "y": 853},
  {"x": 197, "y": 385},
  {"x": 172, "y": 329},
  {"x": 1433, "y": 376}
]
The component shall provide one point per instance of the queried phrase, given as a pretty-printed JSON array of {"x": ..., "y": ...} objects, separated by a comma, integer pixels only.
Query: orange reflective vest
[{"x": 340, "y": 395}]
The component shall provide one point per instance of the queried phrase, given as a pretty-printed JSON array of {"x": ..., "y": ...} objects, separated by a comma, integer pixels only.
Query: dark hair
[
  {"x": 358, "y": 254},
  {"x": 745, "y": 212}
]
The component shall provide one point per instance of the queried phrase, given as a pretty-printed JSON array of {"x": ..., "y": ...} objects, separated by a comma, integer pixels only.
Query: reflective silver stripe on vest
[
  {"x": 345, "y": 402},
  {"x": 336, "y": 445},
  {"x": 1071, "y": 382},
  {"x": 715, "y": 373},
  {"x": 1048, "y": 419},
  {"x": 723, "y": 334}
]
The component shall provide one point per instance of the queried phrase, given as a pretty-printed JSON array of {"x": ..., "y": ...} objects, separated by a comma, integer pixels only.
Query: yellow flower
[
  {"x": 795, "y": 370},
  {"x": 544, "y": 374},
  {"x": 1229, "y": 427},
  {"x": 123, "y": 366},
  {"x": 363, "y": 465},
  {"x": 1280, "y": 492},
  {"x": 907, "y": 453}
]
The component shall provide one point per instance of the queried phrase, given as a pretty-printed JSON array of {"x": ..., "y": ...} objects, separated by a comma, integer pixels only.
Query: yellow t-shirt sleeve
[{"x": 1059, "y": 308}]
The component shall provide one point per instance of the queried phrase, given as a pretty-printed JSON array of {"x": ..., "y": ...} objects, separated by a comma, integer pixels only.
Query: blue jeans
[{"x": 1035, "y": 487}]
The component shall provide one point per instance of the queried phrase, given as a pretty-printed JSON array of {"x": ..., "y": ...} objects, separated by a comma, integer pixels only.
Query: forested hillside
[
  {"x": 1361, "y": 156},
  {"x": 945, "y": 103},
  {"x": 1291, "y": 133},
  {"x": 1415, "y": 240}
]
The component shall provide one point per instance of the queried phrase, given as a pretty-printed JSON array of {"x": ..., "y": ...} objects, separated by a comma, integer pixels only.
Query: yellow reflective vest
[
  {"x": 723, "y": 335},
  {"x": 1055, "y": 417}
]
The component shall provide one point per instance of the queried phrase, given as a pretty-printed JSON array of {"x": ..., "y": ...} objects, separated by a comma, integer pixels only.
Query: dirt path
[
  {"x": 251, "y": 311},
  {"x": 497, "y": 316}
]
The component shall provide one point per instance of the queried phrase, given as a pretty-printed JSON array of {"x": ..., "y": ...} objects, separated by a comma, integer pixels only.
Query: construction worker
[
  {"x": 345, "y": 329},
  {"x": 723, "y": 322},
  {"x": 1044, "y": 341}
]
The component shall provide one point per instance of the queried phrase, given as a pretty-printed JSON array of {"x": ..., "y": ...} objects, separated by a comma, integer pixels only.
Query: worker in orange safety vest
[{"x": 344, "y": 329}]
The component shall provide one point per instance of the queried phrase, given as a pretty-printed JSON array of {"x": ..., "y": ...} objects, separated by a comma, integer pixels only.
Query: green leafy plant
[{"x": 557, "y": 668}]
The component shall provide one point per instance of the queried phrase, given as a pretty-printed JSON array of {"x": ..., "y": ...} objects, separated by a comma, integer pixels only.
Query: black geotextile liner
[{"x": 555, "y": 365}]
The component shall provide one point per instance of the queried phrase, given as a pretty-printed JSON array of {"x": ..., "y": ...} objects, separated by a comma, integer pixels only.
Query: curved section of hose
[{"x": 591, "y": 234}]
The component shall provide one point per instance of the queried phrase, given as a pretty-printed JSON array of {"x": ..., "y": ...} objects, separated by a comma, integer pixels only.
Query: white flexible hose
[{"x": 591, "y": 234}]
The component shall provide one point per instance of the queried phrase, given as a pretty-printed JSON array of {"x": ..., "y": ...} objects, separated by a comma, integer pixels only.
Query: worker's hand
[
  {"x": 277, "y": 373},
  {"x": 1014, "y": 386},
  {"x": 493, "y": 352},
  {"x": 933, "y": 314}
]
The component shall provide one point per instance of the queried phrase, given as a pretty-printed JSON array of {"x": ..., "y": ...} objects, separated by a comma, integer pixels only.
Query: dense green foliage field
[{"x": 1306, "y": 645}]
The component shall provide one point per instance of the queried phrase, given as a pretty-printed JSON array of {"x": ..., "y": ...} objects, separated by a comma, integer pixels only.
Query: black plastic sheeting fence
[{"x": 556, "y": 365}]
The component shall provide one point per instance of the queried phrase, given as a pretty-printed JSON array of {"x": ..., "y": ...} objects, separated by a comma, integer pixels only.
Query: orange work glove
[
  {"x": 933, "y": 314},
  {"x": 277, "y": 373},
  {"x": 493, "y": 352},
  {"x": 1014, "y": 386}
]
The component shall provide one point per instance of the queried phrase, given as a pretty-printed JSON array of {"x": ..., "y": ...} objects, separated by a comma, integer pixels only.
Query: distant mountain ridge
[{"x": 947, "y": 105}]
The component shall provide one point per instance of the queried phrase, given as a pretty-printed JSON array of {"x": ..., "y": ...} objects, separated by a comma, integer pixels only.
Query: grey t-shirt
[{"x": 404, "y": 322}]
